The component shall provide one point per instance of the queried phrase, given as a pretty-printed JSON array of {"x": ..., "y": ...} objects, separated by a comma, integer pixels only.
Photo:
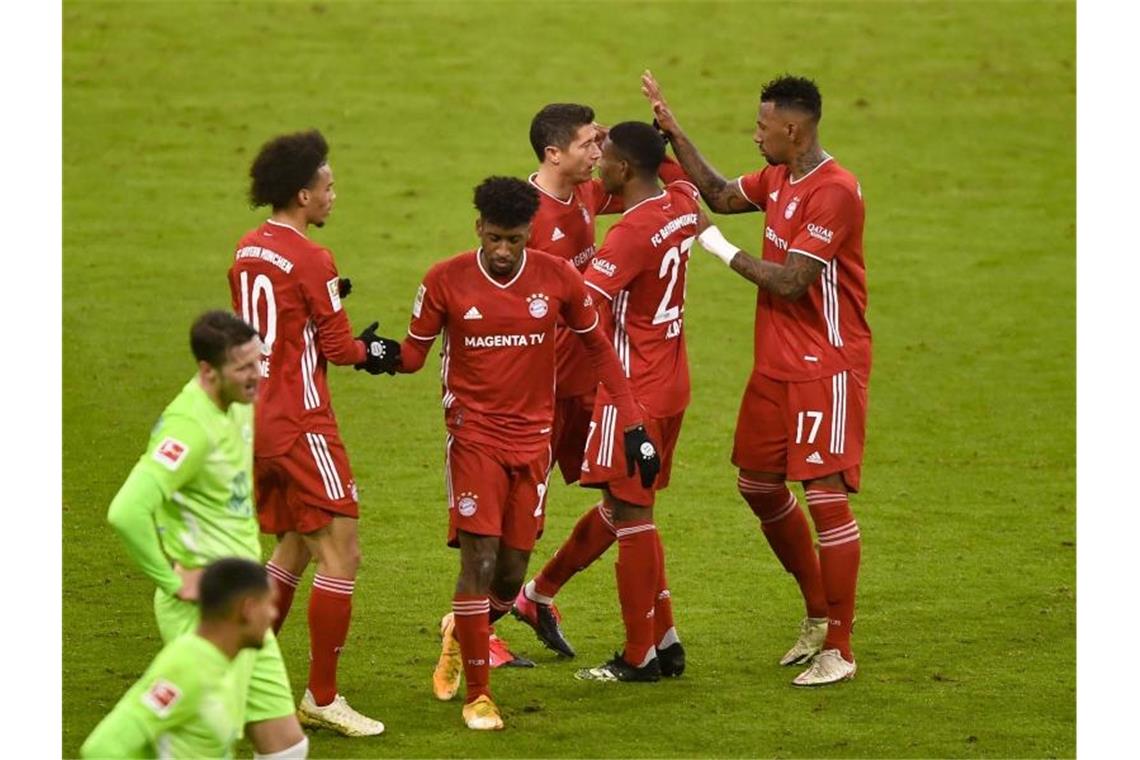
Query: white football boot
[
  {"x": 813, "y": 631},
  {"x": 336, "y": 716},
  {"x": 827, "y": 667}
]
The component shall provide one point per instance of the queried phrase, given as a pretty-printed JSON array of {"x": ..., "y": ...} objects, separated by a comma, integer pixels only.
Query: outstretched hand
[
  {"x": 666, "y": 122},
  {"x": 381, "y": 355}
]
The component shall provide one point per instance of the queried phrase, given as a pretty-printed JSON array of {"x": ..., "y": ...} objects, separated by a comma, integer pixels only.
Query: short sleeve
[
  {"x": 578, "y": 311},
  {"x": 178, "y": 447},
  {"x": 429, "y": 309},
  {"x": 828, "y": 217},
  {"x": 616, "y": 263},
  {"x": 754, "y": 187}
]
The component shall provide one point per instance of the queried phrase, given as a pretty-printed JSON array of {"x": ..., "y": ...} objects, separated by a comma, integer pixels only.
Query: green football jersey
[
  {"x": 185, "y": 705},
  {"x": 202, "y": 459}
]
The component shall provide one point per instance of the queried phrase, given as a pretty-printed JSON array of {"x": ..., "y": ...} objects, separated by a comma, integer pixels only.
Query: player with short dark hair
[
  {"x": 188, "y": 702},
  {"x": 804, "y": 411},
  {"x": 187, "y": 503},
  {"x": 640, "y": 272},
  {"x": 567, "y": 142},
  {"x": 496, "y": 308},
  {"x": 287, "y": 286}
]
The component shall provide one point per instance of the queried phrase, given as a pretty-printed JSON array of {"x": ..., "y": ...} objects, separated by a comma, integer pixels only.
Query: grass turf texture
[{"x": 959, "y": 121}]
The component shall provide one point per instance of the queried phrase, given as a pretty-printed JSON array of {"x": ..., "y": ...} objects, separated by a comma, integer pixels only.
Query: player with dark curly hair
[
  {"x": 804, "y": 411},
  {"x": 287, "y": 287},
  {"x": 496, "y": 308}
]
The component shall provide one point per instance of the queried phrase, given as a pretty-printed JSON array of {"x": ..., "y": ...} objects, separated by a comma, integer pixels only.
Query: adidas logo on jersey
[
  {"x": 815, "y": 458},
  {"x": 558, "y": 235},
  {"x": 774, "y": 195},
  {"x": 472, "y": 313}
]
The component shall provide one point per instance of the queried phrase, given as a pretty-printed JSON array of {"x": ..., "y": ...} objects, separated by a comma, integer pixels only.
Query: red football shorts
[
  {"x": 604, "y": 462},
  {"x": 568, "y": 435},
  {"x": 303, "y": 489},
  {"x": 495, "y": 492},
  {"x": 806, "y": 430}
]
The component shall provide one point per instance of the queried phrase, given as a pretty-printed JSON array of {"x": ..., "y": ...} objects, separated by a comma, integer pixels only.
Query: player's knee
[{"x": 769, "y": 500}]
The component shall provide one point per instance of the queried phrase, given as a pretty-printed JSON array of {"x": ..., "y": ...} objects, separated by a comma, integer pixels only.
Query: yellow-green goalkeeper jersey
[
  {"x": 185, "y": 705},
  {"x": 202, "y": 459}
]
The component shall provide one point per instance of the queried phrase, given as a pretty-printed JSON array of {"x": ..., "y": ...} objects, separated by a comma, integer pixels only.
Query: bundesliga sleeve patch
[
  {"x": 418, "y": 304},
  {"x": 171, "y": 453},
  {"x": 333, "y": 286},
  {"x": 161, "y": 697}
]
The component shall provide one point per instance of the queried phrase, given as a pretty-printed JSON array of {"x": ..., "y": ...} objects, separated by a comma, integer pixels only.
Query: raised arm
[{"x": 723, "y": 196}]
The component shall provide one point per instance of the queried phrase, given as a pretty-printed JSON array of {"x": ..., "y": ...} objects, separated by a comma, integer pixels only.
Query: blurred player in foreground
[
  {"x": 496, "y": 308},
  {"x": 190, "y": 700},
  {"x": 187, "y": 502},
  {"x": 567, "y": 142},
  {"x": 640, "y": 272},
  {"x": 804, "y": 410},
  {"x": 288, "y": 288}
]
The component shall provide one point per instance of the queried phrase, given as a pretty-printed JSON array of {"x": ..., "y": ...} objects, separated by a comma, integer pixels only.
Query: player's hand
[
  {"x": 381, "y": 354},
  {"x": 188, "y": 591},
  {"x": 663, "y": 118},
  {"x": 344, "y": 285},
  {"x": 641, "y": 454},
  {"x": 602, "y": 131}
]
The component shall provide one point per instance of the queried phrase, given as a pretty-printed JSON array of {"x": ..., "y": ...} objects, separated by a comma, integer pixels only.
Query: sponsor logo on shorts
[
  {"x": 814, "y": 458},
  {"x": 161, "y": 697},
  {"x": 537, "y": 304},
  {"x": 171, "y": 453},
  {"x": 819, "y": 232},
  {"x": 467, "y": 504}
]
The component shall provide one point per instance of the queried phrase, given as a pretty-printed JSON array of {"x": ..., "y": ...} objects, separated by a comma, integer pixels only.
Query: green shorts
[{"x": 259, "y": 673}]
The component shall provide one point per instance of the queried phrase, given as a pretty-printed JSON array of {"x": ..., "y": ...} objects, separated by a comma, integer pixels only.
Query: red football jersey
[
  {"x": 819, "y": 215},
  {"x": 498, "y": 344},
  {"x": 641, "y": 269},
  {"x": 565, "y": 228},
  {"x": 287, "y": 287}
]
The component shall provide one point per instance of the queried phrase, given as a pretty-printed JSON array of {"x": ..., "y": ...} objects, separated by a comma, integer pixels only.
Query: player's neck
[
  {"x": 553, "y": 182},
  {"x": 221, "y": 635},
  {"x": 213, "y": 393},
  {"x": 806, "y": 162},
  {"x": 291, "y": 217},
  {"x": 637, "y": 191}
]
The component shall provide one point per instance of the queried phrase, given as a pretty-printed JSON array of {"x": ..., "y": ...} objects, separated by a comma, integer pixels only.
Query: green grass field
[{"x": 958, "y": 118}]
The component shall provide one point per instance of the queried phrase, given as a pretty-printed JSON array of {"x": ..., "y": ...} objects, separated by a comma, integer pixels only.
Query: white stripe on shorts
[{"x": 320, "y": 449}]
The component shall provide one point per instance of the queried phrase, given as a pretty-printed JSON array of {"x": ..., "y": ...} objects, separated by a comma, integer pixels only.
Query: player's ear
[
  {"x": 479, "y": 226},
  {"x": 303, "y": 197},
  {"x": 552, "y": 154}
]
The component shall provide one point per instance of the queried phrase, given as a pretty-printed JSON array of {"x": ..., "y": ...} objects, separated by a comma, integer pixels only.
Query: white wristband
[{"x": 714, "y": 242}]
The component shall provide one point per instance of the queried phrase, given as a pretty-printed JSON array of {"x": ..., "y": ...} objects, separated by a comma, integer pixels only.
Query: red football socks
[
  {"x": 286, "y": 585},
  {"x": 330, "y": 610},
  {"x": 637, "y": 586},
  {"x": 498, "y": 606},
  {"x": 663, "y": 605},
  {"x": 839, "y": 551},
  {"x": 789, "y": 535},
  {"x": 473, "y": 629},
  {"x": 592, "y": 535}
]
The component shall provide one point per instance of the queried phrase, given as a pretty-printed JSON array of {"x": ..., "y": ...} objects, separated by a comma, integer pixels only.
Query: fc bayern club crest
[
  {"x": 467, "y": 503},
  {"x": 536, "y": 304},
  {"x": 791, "y": 209}
]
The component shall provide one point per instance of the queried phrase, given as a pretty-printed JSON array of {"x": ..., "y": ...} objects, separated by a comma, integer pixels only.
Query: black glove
[
  {"x": 382, "y": 354},
  {"x": 344, "y": 287},
  {"x": 642, "y": 454}
]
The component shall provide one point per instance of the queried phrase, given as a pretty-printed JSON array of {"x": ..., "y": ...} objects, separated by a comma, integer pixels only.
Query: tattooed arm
[
  {"x": 789, "y": 280},
  {"x": 723, "y": 196}
]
